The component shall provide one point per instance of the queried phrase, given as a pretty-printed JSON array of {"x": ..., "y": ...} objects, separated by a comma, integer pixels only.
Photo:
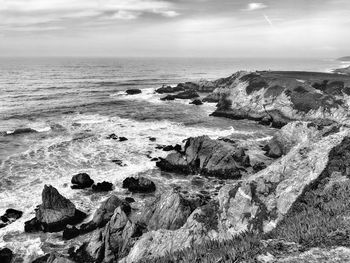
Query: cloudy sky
[{"x": 215, "y": 28}]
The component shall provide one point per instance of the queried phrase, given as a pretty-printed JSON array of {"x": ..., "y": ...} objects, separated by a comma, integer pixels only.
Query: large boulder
[
  {"x": 6, "y": 255},
  {"x": 81, "y": 181},
  {"x": 54, "y": 213},
  {"x": 208, "y": 157},
  {"x": 9, "y": 217},
  {"x": 139, "y": 185},
  {"x": 133, "y": 91},
  {"x": 277, "y": 98}
]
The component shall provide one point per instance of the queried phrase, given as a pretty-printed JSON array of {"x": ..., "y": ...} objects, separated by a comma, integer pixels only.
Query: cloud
[
  {"x": 169, "y": 13},
  {"x": 255, "y": 6}
]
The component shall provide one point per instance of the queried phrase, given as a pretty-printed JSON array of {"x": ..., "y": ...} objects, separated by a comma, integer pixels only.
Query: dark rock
[
  {"x": 133, "y": 91},
  {"x": 196, "y": 102},
  {"x": 9, "y": 217},
  {"x": 122, "y": 139},
  {"x": 6, "y": 255},
  {"x": 21, "y": 131},
  {"x": 169, "y": 89},
  {"x": 52, "y": 258},
  {"x": 102, "y": 187},
  {"x": 168, "y": 97},
  {"x": 259, "y": 166},
  {"x": 54, "y": 213},
  {"x": 208, "y": 157},
  {"x": 118, "y": 162},
  {"x": 178, "y": 148},
  {"x": 139, "y": 185},
  {"x": 168, "y": 148},
  {"x": 154, "y": 159},
  {"x": 152, "y": 139},
  {"x": 70, "y": 232},
  {"x": 129, "y": 200},
  {"x": 275, "y": 149},
  {"x": 81, "y": 181},
  {"x": 42, "y": 259},
  {"x": 112, "y": 136},
  {"x": 189, "y": 94}
]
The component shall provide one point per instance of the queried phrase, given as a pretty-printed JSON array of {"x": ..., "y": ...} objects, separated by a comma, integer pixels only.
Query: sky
[{"x": 175, "y": 28}]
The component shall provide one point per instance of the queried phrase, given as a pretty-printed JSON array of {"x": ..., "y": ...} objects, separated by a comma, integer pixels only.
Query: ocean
[{"x": 68, "y": 106}]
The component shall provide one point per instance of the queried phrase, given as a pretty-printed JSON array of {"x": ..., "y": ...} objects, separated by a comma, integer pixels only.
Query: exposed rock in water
[
  {"x": 53, "y": 258},
  {"x": 123, "y": 139},
  {"x": 112, "y": 136},
  {"x": 102, "y": 187},
  {"x": 54, "y": 213},
  {"x": 169, "y": 89},
  {"x": 197, "y": 102},
  {"x": 133, "y": 91},
  {"x": 189, "y": 94},
  {"x": 208, "y": 157},
  {"x": 81, "y": 181},
  {"x": 308, "y": 186},
  {"x": 139, "y": 185},
  {"x": 9, "y": 217},
  {"x": 6, "y": 255},
  {"x": 277, "y": 98}
]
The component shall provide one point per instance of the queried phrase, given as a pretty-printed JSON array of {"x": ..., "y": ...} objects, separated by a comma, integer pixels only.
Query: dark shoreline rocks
[
  {"x": 196, "y": 102},
  {"x": 207, "y": 157},
  {"x": 10, "y": 216},
  {"x": 102, "y": 187},
  {"x": 133, "y": 91},
  {"x": 81, "y": 181},
  {"x": 54, "y": 213},
  {"x": 139, "y": 185},
  {"x": 189, "y": 94},
  {"x": 6, "y": 255}
]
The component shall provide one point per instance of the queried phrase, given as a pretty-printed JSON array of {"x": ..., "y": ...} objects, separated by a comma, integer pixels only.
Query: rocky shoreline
[{"x": 279, "y": 200}]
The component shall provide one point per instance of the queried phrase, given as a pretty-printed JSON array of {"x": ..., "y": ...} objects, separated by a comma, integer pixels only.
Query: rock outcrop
[
  {"x": 139, "y": 185},
  {"x": 133, "y": 91},
  {"x": 81, "y": 181},
  {"x": 9, "y": 217},
  {"x": 188, "y": 94},
  {"x": 310, "y": 182},
  {"x": 277, "y": 98},
  {"x": 6, "y": 255},
  {"x": 207, "y": 157},
  {"x": 54, "y": 213}
]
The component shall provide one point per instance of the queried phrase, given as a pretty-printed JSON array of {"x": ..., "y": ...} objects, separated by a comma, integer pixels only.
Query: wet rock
[
  {"x": 53, "y": 258},
  {"x": 154, "y": 159},
  {"x": 118, "y": 162},
  {"x": 112, "y": 136},
  {"x": 54, "y": 213},
  {"x": 70, "y": 232},
  {"x": 6, "y": 255},
  {"x": 129, "y": 200},
  {"x": 102, "y": 187},
  {"x": 21, "y": 131},
  {"x": 169, "y": 148},
  {"x": 208, "y": 157},
  {"x": 190, "y": 94},
  {"x": 81, "y": 181},
  {"x": 168, "y": 97},
  {"x": 139, "y": 185},
  {"x": 196, "y": 102},
  {"x": 122, "y": 139},
  {"x": 169, "y": 89},
  {"x": 9, "y": 217},
  {"x": 133, "y": 91},
  {"x": 259, "y": 166},
  {"x": 152, "y": 139}
]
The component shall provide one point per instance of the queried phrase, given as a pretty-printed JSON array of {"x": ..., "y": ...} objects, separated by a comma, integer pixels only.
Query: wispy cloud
[
  {"x": 255, "y": 6},
  {"x": 268, "y": 20}
]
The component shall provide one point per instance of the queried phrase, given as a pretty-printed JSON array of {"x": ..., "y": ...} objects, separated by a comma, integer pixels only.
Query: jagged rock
[
  {"x": 81, "y": 181},
  {"x": 54, "y": 213},
  {"x": 208, "y": 157},
  {"x": 6, "y": 255},
  {"x": 168, "y": 210},
  {"x": 111, "y": 243},
  {"x": 277, "y": 98},
  {"x": 102, "y": 187},
  {"x": 9, "y": 217},
  {"x": 169, "y": 89},
  {"x": 112, "y": 136},
  {"x": 52, "y": 258},
  {"x": 311, "y": 176},
  {"x": 139, "y": 185},
  {"x": 133, "y": 91},
  {"x": 196, "y": 102}
]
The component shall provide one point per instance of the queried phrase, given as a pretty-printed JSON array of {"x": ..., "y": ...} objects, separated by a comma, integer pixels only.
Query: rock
[
  {"x": 274, "y": 149},
  {"x": 259, "y": 166},
  {"x": 152, "y": 139},
  {"x": 307, "y": 187},
  {"x": 277, "y": 98},
  {"x": 81, "y": 181},
  {"x": 168, "y": 148},
  {"x": 208, "y": 157},
  {"x": 139, "y": 185},
  {"x": 70, "y": 232},
  {"x": 190, "y": 94},
  {"x": 169, "y": 89},
  {"x": 133, "y": 91},
  {"x": 168, "y": 97},
  {"x": 52, "y": 258},
  {"x": 129, "y": 200},
  {"x": 6, "y": 255},
  {"x": 112, "y": 136},
  {"x": 154, "y": 159},
  {"x": 196, "y": 102},
  {"x": 10, "y": 216},
  {"x": 168, "y": 210},
  {"x": 54, "y": 213},
  {"x": 102, "y": 187},
  {"x": 122, "y": 139},
  {"x": 118, "y": 162},
  {"x": 111, "y": 243}
]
